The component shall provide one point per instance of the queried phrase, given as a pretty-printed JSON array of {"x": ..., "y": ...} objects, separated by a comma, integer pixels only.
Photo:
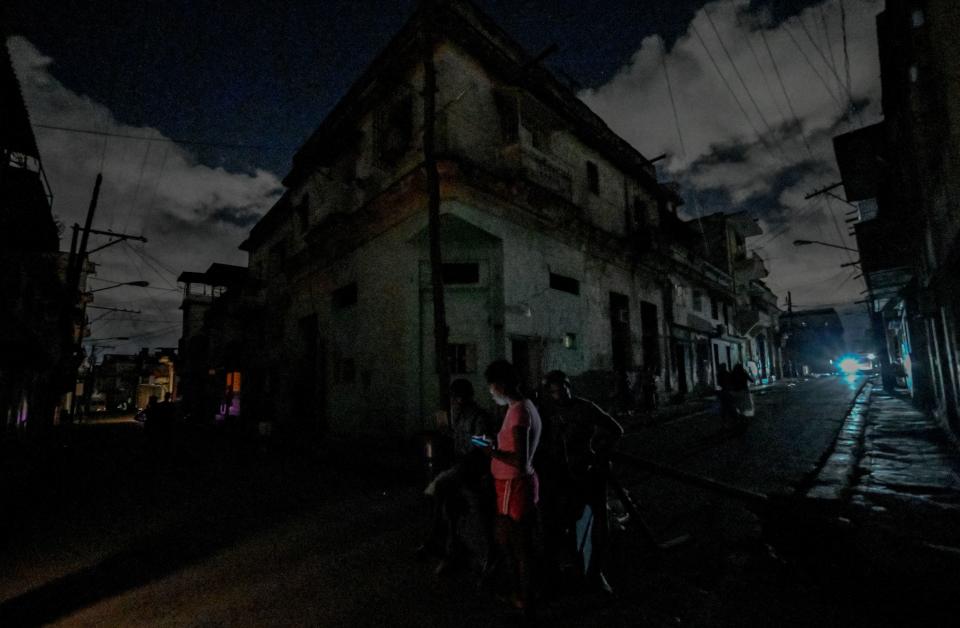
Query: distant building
[{"x": 814, "y": 341}]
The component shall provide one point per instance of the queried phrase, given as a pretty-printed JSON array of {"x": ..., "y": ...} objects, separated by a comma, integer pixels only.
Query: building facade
[
  {"x": 561, "y": 250},
  {"x": 904, "y": 173}
]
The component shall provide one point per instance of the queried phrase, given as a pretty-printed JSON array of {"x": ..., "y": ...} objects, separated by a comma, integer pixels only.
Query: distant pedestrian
[
  {"x": 466, "y": 485},
  {"x": 575, "y": 464},
  {"x": 649, "y": 389},
  {"x": 725, "y": 396},
  {"x": 515, "y": 480},
  {"x": 740, "y": 381}
]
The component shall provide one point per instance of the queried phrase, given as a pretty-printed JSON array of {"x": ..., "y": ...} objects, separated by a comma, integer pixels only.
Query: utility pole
[
  {"x": 440, "y": 330},
  {"x": 76, "y": 263}
]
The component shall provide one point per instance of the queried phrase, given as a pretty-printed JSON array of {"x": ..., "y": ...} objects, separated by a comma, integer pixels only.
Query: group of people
[{"x": 543, "y": 468}]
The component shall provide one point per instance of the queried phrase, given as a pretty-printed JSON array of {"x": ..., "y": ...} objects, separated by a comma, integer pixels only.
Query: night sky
[{"x": 260, "y": 76}]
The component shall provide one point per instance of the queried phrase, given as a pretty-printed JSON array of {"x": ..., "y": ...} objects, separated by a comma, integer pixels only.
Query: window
[
  {"x": 278, "y": 255},
  {"x": 347, "y": 371},
  {"x": 345, "y": 296},
  {"x": 593, "y": 177},
  {"x": 564, "y": 284},
  {"x": 303, "y": 213},
  {"x": 916, "y": 18},
  {"x": 697, "y": 300},
  {"x": 395, "y": 129},
  {"x": 460, "y": 273},
  {"x": 233, "y": 381},
  {"x": 569, "y": 341},
  {"x": 714, "y": 309},
  {"x": 639, "y": 213},
  {"x": 462, "y": 358}
]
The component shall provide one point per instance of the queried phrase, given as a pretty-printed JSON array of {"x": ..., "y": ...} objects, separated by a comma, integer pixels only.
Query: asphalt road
[{"x": 212, "y": 536}]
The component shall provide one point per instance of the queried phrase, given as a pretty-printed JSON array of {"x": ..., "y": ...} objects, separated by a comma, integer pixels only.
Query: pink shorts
[{"x": 517, "y": 497}]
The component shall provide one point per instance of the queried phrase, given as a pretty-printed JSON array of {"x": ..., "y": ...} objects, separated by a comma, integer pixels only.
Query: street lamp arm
[{"x": 833, "y": 246}]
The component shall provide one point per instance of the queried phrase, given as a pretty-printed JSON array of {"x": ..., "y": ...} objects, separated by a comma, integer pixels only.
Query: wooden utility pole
[{"x": 433, "y": 208}]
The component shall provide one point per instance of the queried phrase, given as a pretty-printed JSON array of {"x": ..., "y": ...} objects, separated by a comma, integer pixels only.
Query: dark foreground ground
[{"x": 833, "y": 517}]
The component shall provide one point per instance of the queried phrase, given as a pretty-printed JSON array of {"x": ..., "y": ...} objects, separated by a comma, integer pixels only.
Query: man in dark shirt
[
  {"x": 466, "y": 484},
  {"x": 577, "y": 438}
]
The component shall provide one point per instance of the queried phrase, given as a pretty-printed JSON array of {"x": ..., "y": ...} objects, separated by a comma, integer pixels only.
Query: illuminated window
[
  {"x": 233, "y": 381},
  {"x": 569, "y": 341}
]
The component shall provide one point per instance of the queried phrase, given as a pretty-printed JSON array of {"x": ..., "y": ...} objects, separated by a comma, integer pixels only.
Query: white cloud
[
  {"x": 156, "y": 189},
  {"x": 765, "y": 157}
]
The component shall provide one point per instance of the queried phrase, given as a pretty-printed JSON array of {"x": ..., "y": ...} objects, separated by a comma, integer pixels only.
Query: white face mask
[{"x": 499, "y": 399}]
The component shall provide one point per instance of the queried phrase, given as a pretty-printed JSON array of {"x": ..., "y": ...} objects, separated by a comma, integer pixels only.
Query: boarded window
[
  {"x": 462, "y": 358},
  {"x": 564, "y": 284},
  {"x": 345, "y": 296},
  {"x": 459, "y": 273},
  {"x": 593, "y": 177}
]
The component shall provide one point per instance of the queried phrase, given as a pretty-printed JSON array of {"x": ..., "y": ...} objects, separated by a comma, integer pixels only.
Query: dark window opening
[
  {"x": 458, "y": 273},
  {"x": 395, "y": 129},
  {"x": 593, "y": 177},
  {"x": 697, "y": 300},
  {"x": 509, "y": 118},
  {"x": 564, "y": 284},
  {"x": 345, "y": 296},
  {"x": 714, "y": 309},
  {"x": 462, "y": 358},
  {"x": 303, "y": 213},
  {"x": 639, "y": 213},
  {"x": 348, "y": 371}
]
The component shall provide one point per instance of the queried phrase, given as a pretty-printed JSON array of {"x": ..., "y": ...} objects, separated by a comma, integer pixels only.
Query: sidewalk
[{"x": 894, "y": 480}]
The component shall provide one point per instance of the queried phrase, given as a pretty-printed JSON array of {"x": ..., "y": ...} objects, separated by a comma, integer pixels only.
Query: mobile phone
[{"x": 480, "y": 441}]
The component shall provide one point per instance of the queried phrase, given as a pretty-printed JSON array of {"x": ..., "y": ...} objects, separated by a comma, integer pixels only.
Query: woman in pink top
[{"x": 513, "y": 474}]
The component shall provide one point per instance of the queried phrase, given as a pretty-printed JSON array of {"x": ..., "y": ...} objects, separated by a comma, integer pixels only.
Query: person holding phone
[{"x": 515, "y": 480}]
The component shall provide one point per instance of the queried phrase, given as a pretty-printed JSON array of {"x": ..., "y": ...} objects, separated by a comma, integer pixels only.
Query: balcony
[
  {"x": 749, "y": 268},
  {"x": 538, "y": 168}
]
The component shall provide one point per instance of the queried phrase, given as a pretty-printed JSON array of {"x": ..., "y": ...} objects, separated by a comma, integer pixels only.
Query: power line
[
  {"x": 803, "y": 53},
  {"x": 151, "y": 139},
  {"x": 733, "y": 93},
  {"x": 736, "y": 71}
]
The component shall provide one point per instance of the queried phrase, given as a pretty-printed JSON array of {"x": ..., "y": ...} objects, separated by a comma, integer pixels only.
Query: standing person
[
  {"x": 648, "y": 386},
  {"x": 515, "y": 481},
  {"x": 725, "y": 396},
  {"x": 578, "y": 439},
  {"x": 740, "y": 381},
  {"x": 466, "y": 484}
]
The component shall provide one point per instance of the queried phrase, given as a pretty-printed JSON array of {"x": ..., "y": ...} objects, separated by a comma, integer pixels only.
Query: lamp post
[{"x": 833, "y": 246}]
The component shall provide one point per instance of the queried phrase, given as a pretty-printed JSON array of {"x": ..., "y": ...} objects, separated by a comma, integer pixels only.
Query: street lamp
[
  {"x": 139, "y": 284},
  {"x": 833, "y": 246}
]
